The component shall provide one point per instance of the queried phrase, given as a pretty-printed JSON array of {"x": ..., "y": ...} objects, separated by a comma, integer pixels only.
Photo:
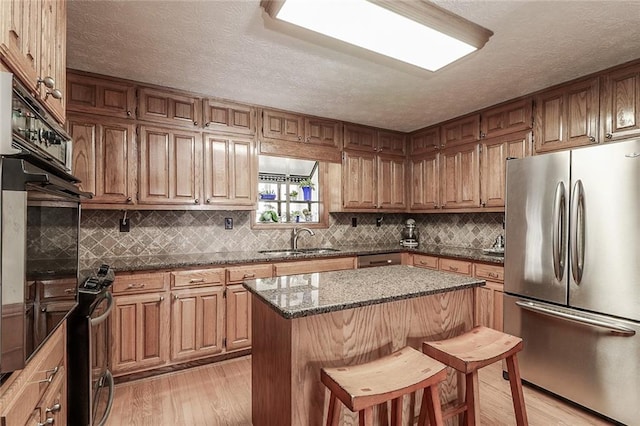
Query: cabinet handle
[
  {"x": 49, "y": 379},
  {"x": 196, "y": 280},
  {"x": 248, "y": 275},
  {"x": 453, "y": 268},
  {"x": 56, "y": 407},
  {"x": 69, "y": 290},
  {"x": 176, "y": 297},
  {"x": 129, "y": 199},
  {"x": 493, "y": 275},
  {"x": 49, "y": 421},
  {"x": 299, "y": 138},
  {"x": 608, "y": 135},
  {"x": 196, "y": 201},
  {"x": 484, "y": 204},
  {"x": 161, "y": 298},
  {"x": 128, "y": 113},
  {"x": 592, "y": 139},
  {"x": 208, "y": 200},
  {"x": 207, "y": 124},
  {"x": 134, "y": 286},
  {"x": 195, "y": 123}
]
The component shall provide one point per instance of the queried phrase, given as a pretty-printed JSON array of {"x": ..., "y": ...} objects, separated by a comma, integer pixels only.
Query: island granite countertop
[
  {"x": 158, "y": 262},
  {"x": 296, "y": 296}
]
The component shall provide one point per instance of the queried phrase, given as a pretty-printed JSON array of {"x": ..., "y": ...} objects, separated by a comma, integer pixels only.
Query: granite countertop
[
  {"x": 147, "y": 263},
  {"x": 296, "y": 296}
]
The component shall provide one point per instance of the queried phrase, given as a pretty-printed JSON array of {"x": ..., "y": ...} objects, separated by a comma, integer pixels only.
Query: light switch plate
[{"x": 228, "y": 223}]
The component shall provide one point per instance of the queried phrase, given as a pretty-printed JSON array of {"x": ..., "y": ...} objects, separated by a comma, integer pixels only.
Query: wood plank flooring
[{"x": 220, "y": 394}]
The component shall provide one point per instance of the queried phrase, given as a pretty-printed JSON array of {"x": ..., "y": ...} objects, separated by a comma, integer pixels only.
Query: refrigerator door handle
[
  {"x": 558, "y": 230},
  {"x": 577, "y": 231},
  {"x": 581, "y": 318}
]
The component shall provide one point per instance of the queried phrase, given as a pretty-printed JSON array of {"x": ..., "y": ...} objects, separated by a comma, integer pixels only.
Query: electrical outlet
[
  {"x": 228, "y": 223},
  {"x": 354, "y": 221},
  {"x": 124, "y": 225},
  {"x": 378, "y": 221}
]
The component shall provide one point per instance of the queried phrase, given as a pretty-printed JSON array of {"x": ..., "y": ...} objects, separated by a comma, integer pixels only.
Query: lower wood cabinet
[
  {"x": 197, "y": 321},
  {"x": 309, "y": 266},
  {"x": 37, "y": 394}
]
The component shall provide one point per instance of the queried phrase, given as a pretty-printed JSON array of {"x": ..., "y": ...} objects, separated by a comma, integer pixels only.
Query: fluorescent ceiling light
[{"x": 415, "y": 32}]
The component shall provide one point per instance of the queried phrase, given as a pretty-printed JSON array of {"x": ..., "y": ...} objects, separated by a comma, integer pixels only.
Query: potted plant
[
  {"x": 293, "y": 194},
  {"x": 295, "y": 216},
  {"x": 307, "y": 215},
  {"x": 267, "y": 194},
  {"x": 307, "y": 186}
]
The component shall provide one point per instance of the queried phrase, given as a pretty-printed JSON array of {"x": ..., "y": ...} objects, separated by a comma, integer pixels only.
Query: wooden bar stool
[
  {"x": 361, "y": 387},
  {"x": 470, "y": 352}
]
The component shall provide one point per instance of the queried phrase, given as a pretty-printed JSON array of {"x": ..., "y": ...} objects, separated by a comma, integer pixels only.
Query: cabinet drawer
[
  {"x": 422, "y": 261},
  {"x": 489, "y": 272},
  {"x": 139, "y": 283},
  {"x": 196, "y": 278},
  {"x": 457, "y": 266},
  {"x": 240, "y": 273},
  {"x": 310, "y": 266}
]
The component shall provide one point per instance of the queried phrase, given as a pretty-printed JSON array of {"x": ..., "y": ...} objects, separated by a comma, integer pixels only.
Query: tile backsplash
[{"x": 188, "y": 232}]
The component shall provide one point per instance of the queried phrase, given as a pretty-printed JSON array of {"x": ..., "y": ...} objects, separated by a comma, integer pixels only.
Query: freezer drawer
[{"x": 588, "y": 364}]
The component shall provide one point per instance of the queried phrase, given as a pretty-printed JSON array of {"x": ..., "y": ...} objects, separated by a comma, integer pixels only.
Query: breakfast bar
[{"x": 302, "y": 323}]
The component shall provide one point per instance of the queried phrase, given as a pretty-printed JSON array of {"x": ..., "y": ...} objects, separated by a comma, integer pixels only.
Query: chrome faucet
[{"x": 295, "y": 233}]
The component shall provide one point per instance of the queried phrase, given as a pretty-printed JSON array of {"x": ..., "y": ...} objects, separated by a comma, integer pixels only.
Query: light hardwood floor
[{"x": 220, "y": 394}]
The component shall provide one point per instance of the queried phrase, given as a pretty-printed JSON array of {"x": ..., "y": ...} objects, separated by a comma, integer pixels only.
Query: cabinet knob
[
  {"x": 55, "y": 94},
  {"x": 608, "y": 136},
  {"x": 208, "y": 200},
  {"x": 55, "y": 408},
  {"x": 207, "y": 124},
  {"x": 482, "y": 135},
  {"x": 299, "y": 138},
  {"x": 129, "y": 199},
  {"x": 175, "y": 297},
  {"x": 48, "y": 82},
  {"x": 592, "y": 139},
  {"x": 128, "y": 113},
  {"x": 196, "y": 201},
  {"x": 161, "y": 298}
]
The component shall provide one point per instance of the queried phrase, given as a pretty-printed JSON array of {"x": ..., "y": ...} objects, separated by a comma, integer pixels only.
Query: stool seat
[
  {"x": 473, "y": 350},
  {"x": 360, "y": 387}
]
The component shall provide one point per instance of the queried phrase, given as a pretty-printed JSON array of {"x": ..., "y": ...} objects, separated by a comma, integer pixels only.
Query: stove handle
[
  {"x": 107, "y": 409},
  {"x": 97, "y": 320}
]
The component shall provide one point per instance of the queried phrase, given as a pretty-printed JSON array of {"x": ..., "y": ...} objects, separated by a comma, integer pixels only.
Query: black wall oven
[{"x": 39, "y": 226}]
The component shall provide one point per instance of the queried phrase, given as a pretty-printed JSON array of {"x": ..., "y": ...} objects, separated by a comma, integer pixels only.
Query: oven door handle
[
  {"x": 107, "y": 409},
  {"x": 97, "y": 320}
]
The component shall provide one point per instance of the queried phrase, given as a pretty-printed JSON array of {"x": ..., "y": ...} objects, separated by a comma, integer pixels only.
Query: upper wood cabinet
[
  {"x": 172, "y": 108},
  {"x": 494, "y": 155},
  {"x": 170, "y": 166},
  {"x": 424, "y": 182},
  {"x": 567, "y": 116},
  {"x": 391, "y": 172},
  {"x": 100, "y": 96},
  {"x": 282, "y": 126},
  {"x": 104, "y": 157},
  {"x": 620, "y": 108},
  {"x": 229, "y": 117},
  {"x": 425, "y": 141},
  {"x": 230, "y": 171},
  {"x": 506, "y": 118},
  {"x": 363, "y": 138},
  {"x": 460, "y": 176},
  {"x": 460, "y": 131},
  {"x": 323, "y": 132},
  {"x": 33, "y": 45}
]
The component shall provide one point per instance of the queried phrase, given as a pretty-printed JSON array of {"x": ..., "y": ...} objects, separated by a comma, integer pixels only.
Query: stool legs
[
  {"x": 430, "y": 408},
  {"x": 516, "y": 391},
  {"x": 333, "y": 416},
  {"x": 472, "y": 399},
  {"x": 396, "y": 412},
  {"x": 366, "y": 417}
]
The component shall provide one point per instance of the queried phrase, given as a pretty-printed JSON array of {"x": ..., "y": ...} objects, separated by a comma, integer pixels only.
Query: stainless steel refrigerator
[{"x": 572, "y": 274}]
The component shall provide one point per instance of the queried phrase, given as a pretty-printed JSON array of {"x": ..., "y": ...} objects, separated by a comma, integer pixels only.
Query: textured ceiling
[{"x": 224, "y": 49}]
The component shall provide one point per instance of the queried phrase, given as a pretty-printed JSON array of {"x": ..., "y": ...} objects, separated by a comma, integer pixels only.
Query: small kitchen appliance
[{"x": 409, "y": 234}]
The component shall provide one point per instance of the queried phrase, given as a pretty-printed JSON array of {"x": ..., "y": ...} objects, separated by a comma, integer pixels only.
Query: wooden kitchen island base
[{"x": 287, "y": 354}]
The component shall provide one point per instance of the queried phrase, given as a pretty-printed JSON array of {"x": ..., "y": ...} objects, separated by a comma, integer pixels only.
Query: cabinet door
[
  {"x": 620, "y": 111},
  {"x": 229, "y": 117},
  {"x": 391, "y": 143},
  {"x": 169, "y": 166},
  {"x": 20, "y": 41},
  {"x": 139, "y": 332},
  {"x": 425, "y": 141},
  {"x": 359, "y": 181},
  {"x": 460, "y": 131},
  {"x": 567, "y": 117},
  {"x": 104, "y": 158},
  {"x": 495, "y": 152},
  {"x": 100, "y": 96},
  {"x": 238, "y": 315},
  {"x": 505, "y": 119},
  {"x": 283, "y": 126},
  {"x": 360, "y": 137},
  {"x": 391, "y": 182},
  {"x": 460, "y": 177},
  {"x": 196, "y": 323},
  {"x": 53, "y": 54},
  {"x": 488, "y": 309},
  {"x": 323, "y": 132},
  {"x": 171, "y": 108},
  {"x": 230, "y": 170},
  {"x": 424, "y": 182}
]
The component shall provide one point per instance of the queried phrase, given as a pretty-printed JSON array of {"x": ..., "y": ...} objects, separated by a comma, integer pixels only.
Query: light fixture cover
[{"x": 415, "y": 32}]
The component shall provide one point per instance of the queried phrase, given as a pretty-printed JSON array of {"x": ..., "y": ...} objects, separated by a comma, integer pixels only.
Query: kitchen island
[{"x": 302, "y": 323}]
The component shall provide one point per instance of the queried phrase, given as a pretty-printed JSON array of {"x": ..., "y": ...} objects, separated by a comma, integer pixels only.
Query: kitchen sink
[{"x": 319, "y": 250}]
